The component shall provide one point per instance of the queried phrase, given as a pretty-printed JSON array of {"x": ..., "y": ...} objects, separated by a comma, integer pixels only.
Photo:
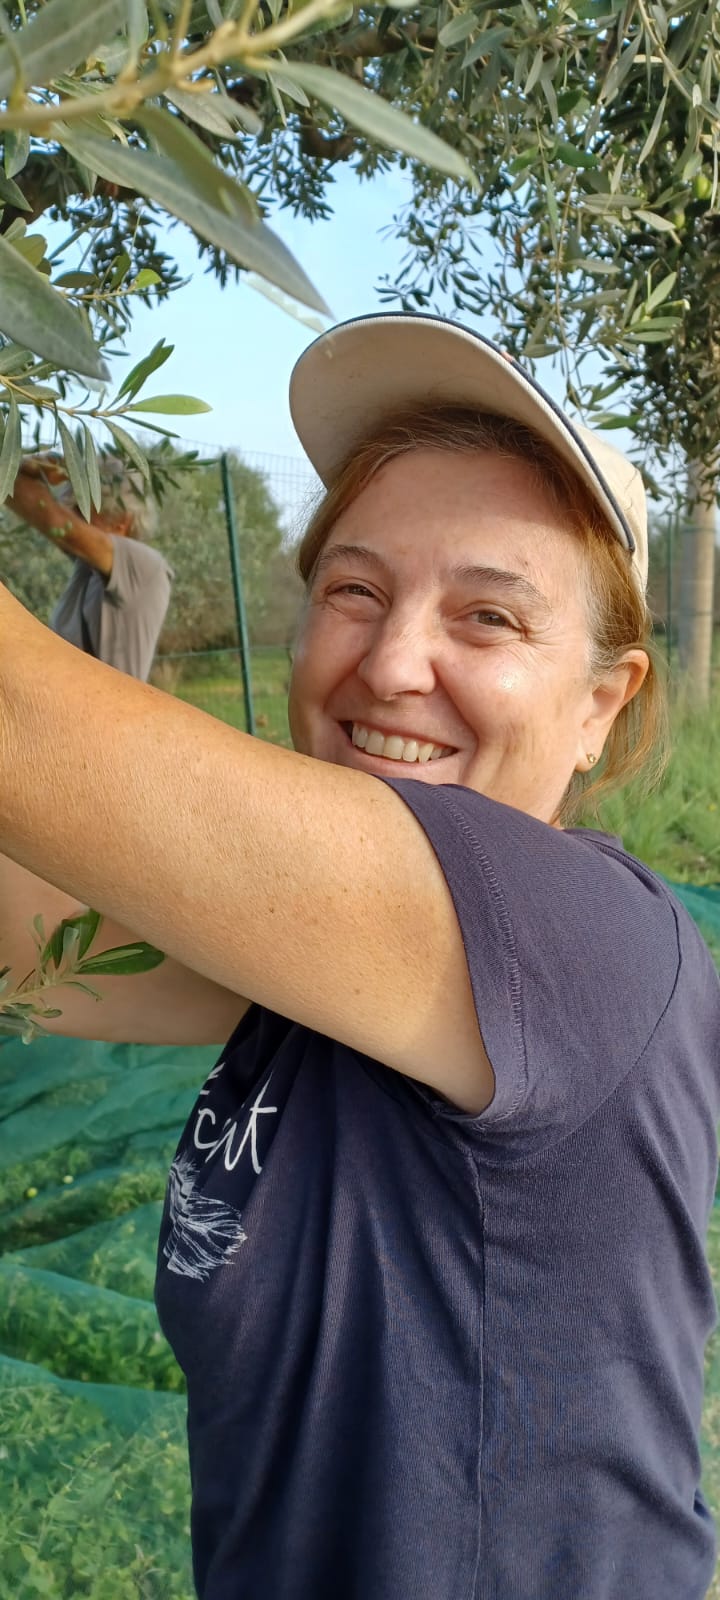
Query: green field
[{"x": 214, "y": 684}]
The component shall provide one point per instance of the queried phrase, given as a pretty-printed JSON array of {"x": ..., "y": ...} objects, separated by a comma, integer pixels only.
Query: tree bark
[{"x": 697, "y": 571}]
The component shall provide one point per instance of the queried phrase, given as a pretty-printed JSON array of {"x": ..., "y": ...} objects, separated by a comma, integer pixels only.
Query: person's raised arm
[
  {"x": 305, "y": 886},
  {"x": 59, "y": 521}
]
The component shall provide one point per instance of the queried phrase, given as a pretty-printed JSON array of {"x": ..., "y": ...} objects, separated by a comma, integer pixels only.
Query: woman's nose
[{"x": 398, "y": 661}]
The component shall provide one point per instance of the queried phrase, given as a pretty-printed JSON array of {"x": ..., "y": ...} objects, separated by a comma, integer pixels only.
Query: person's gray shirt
[{"x": 117, "y": 619}]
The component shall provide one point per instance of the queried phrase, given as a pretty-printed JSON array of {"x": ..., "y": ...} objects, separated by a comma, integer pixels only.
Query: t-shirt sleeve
[
  {"x": 140, "y": 575},
  {"x": 134, "y": 604},
  {"x": 573, "y": 952}
]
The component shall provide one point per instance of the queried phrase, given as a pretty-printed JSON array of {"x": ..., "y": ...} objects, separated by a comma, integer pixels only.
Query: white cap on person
[{"x": 358, "y": 374}]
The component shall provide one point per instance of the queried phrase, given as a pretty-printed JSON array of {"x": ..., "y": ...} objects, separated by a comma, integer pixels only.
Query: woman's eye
[
  {"x": 491, "y": 619},
  {"x": 353, "y": 588}
]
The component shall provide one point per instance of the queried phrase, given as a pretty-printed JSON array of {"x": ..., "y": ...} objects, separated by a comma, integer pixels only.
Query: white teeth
[{"x": 394, "y": 747}]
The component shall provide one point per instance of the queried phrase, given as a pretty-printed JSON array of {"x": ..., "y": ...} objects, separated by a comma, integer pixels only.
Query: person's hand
[
  {"x": 32, "y": 500},
  {"x": 47, "y": 467}
]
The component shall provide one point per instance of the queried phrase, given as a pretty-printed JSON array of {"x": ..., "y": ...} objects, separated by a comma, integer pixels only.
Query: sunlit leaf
[
  {"x": 486, "y": 44},
  {"x": 246, "y": 239},
  {"x": 82, "y": 930},
  {"x": 129, "y": 446},
  {"x": 612, "y": 419},
  {"x": 375, "y": 116},
  {"x": 286, "y": 86},
  {"x": 10, "y": 451},
  {"x": 35, "y": 315},
  {"x": 32, "y": 248},
  {"x": 188, "y": 151},
  {"x": 184, "y": 405},
  {"x": 61, "y": 35},
  {"x": 146, "y": 278},
  {"x": 457, "y": 28},
  {"x": 14, "y": 358},
  {"x": 17, "y": 150},
  {"x": 11, "y": 195},
  {"x": 92, "y": 468},
  {"x": 76, "y": 280},
  {"x": 211, "y": 111},
  {"x": 620, "y": 68},
  {"x": 135, "y": 379},
  {"x": 654, "y": 220},
  {"x": 661, "y": 292},
  {"x": 38, "y": 392},
  {"x": 535, "y": 70},
  {"x": 309, "y": 319},
  {"x": 655, "y": 127},
  {"x": 572, "y": 156},
  {"x": 119, "y": 268},
  {"x": 76, "y": 469},
  {"x": 124, "y": 960}
]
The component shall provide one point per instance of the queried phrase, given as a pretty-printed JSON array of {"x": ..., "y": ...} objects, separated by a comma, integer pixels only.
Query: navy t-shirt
[{"x": 433, "y": 1356}]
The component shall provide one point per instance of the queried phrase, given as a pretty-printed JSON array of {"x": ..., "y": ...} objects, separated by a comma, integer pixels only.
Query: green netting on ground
[{"x": 93, "y": 1463}]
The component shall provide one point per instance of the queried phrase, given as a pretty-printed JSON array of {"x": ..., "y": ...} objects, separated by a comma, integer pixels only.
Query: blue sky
[{"x": 235, "y": 349}]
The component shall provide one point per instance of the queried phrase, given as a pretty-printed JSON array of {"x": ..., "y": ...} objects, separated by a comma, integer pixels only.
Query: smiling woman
[
  {"x": 432, "y": 1254},
  {"x": 481, "y": 456}
]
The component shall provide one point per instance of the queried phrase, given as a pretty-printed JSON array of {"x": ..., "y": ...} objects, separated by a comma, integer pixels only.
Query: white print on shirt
[
  {"x": 228, "y": 1138},
  {"x": 204, "y": 1233}
]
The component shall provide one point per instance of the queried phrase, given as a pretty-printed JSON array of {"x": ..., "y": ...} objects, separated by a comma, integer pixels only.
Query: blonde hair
[{"x": 637, "y": 744}]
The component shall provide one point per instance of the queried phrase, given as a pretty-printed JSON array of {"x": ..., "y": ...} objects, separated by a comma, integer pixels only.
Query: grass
[{"x": 214, "y": 684}]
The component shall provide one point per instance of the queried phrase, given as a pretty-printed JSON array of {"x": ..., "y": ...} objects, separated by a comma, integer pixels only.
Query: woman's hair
[{"x": 619, "y": 620}]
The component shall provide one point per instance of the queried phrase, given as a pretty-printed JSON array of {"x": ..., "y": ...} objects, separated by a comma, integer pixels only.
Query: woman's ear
[{"x": 610, "y": 693}]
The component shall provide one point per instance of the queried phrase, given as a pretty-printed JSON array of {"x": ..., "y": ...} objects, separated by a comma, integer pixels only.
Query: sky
[{"x": 235, "y": 349}]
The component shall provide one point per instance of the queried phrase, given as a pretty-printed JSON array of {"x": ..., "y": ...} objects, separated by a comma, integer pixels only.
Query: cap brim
[{"x": 355, "y": 376}]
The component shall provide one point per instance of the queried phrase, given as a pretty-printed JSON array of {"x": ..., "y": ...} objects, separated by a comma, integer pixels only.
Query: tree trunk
[{"x": 697, "y": 571}]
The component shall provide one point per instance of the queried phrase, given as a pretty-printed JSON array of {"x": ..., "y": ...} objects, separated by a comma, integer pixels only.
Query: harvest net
[{"x": 93, "y": 1460}]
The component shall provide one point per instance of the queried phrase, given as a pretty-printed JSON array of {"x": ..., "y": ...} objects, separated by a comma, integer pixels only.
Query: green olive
[{"x": 702, "y": 186}]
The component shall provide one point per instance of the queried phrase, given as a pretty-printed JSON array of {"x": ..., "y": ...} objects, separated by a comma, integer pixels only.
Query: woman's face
[{"x": 445, "y": 636}]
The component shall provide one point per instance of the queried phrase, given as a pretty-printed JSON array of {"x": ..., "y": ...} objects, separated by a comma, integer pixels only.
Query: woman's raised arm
[{"x": 306, "y": 886}]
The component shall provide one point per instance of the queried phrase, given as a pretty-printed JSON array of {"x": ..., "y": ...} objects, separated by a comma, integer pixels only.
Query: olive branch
[{"x": 63, "y": 962}]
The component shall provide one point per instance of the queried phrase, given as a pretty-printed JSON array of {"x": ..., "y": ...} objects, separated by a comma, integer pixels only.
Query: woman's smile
[{"x": 445, "y": 634}]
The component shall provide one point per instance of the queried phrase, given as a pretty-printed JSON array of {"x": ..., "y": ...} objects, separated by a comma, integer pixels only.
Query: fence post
[
  {"x": 240, "y": 613},
  {"x": 671, "y": 543}
]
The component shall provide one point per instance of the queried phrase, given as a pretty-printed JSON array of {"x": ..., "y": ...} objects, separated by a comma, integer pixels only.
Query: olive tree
[{"x": 564, "y": 171}]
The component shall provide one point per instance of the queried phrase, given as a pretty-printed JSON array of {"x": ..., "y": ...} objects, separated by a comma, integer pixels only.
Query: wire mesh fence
[{"x": 272, "y": 497}]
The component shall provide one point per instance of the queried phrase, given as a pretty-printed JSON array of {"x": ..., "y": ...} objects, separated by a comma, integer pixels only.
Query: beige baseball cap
[{"x": 351, "y": 379}]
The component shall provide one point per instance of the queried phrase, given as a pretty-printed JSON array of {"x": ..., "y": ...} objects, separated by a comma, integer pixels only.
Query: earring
[{"x": 591, "y": 759}]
